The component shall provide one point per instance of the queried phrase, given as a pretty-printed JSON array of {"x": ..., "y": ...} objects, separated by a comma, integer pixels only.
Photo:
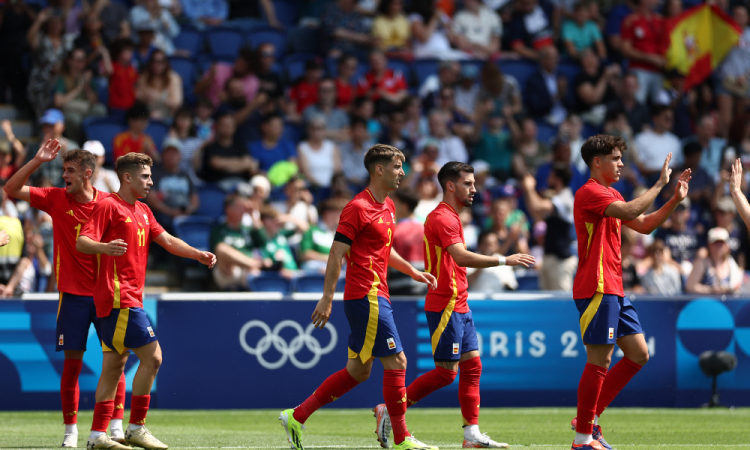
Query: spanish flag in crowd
[{"x": 699, "y": 39}]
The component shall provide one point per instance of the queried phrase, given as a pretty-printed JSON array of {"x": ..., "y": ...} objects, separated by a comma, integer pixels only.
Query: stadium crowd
[{"x": 258, "y": 115}]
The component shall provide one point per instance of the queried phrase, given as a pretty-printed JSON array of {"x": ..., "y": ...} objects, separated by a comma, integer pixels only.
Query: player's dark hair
[
  {"x": 269, "y": 117},
  {"x": 691, "y": 148},
  {"x": 269, "y": 212},
  {"x": 137, "y": 111},
  {"x": 132, "y": 161},
  {"x": 381, "y": 154},
  {"x": 83, "y": 158},
  {"x": 357, "y": 121},
  {"x": 562, "y": 172},
  {"x": 409, "y": 197},
  {"x": 484, "y": 235},
  {"x": 658, "y": 110},
  {"x": 451, "y": 172},
  {"x": 601, "y": 145}
]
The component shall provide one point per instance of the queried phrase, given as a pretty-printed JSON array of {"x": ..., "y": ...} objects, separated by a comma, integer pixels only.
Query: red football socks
[
  {"x": 617, "y": 377},
  {"x": 332, "y": 388},
  {"x": 69, "y": 390},
  {"x": 394, "y": 393},
  {"x": 119, "y": 411},
  {"x": 428, "y": 383},
  {"x": 102, "y": 414},
  {"x": 468, "y": 389},
  {"x": 139, "y": 409},
  {"x": 588, "y": 394}
]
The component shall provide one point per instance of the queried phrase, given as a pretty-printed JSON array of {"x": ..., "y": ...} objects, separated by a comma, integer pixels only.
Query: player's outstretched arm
[
  {"x": 322, "y": 311},
  {"x": 735, "y": 188},
  {"x": 465, "y": 258},
  {"x": 16, "y": 185},
  {"x": 178, "y": 247},
  {"x": 648, "y": 223},
  {"x": 627, "y": 211},
  {"x": 403, "y": 266},
  {"x": 86, "y": 245}
]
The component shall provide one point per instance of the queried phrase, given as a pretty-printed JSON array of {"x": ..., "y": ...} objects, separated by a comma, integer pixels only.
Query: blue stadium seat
[
  {"x": 570, "y": 69},
  {"x": 224, "y": 42},
  {"x": 104, "y": 130},
  {"x": 589, "y": 130},
  {"x": 158, "y": 131},
  {"x": 212, "y": 201},
  {"x": 271, "y": 283},
  {"x": 286, "y": 12},
  {"x": 520, "y": 69},
  {"x": 293, "y": 133},
  {"x": 305, "y": 40},
  {"x": 423, "y": 68},
  {"x": 185, "y": 67},
  {"x": 275, "y": 37},
  {"x": 529, "y": 281},
  {"x": 546, "y": 132},
  {"x": 404, "y": 67},
  {"x": 310, "y": 283},
  {"x": 340, "y": 284},
  {"x": 189, "y": 40},
  {"x": 478, "y": 63},
  {"x": 195, "y": 230},
  {"x": 294, "y": 65}
]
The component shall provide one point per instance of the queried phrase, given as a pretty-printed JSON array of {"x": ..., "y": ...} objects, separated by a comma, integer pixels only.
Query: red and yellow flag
[{"x": 699, "y": 39}]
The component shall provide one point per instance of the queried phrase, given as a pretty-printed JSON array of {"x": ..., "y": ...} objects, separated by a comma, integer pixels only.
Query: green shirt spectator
[{"x": 317, "y": 241}]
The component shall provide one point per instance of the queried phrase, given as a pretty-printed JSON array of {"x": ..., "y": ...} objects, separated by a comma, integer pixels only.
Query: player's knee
[
  {"x": 641, "y": 358},
  {"x": 155, "y": 362},
  {"x": 447, "y": 377},
  {"x": 360, "y": 374},
  {"x": 400, "y": 361}
]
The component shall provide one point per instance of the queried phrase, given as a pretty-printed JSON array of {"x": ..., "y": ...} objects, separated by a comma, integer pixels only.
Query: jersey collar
[{"x": 449, "y": 207}]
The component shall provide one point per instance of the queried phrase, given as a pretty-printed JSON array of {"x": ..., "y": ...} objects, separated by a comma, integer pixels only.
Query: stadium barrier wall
[{"x": 253, "y": 350}]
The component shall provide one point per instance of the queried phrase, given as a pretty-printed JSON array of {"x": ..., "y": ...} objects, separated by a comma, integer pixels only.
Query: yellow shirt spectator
[{"x": 393, "y": 32}]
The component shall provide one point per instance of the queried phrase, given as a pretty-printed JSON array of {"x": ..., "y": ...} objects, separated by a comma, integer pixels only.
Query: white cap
[
  {"x": 261, "y": 181},
  {"x": 480, "y": 166},
  {"x": 94, "y": 147},
  {"x": 718, "y": 234}
]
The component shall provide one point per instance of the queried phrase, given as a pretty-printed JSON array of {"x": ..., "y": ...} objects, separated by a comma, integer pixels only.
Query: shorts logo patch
[
  {"x": 151, "y": 331},
  {"x": 391, "y": 343},
  {"x": 455, "y": 348},
  {"x": 611, "y": 333},
  {"x": 61, "y": 341}
]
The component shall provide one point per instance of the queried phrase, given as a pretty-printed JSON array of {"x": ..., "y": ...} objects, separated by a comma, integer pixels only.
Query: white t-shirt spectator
[
  {"x": 450, "y": 148},
  {"x": 668, "y": 282},
  {"x": 653, "y": 149},
  {"x": 493, "y": 279},
  {"x": 478, "y": 29}
]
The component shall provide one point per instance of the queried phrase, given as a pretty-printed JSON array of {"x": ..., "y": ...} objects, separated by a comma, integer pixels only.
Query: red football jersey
[
  {"x": 646, "y": 34},
  {"x": 120, "y": 279},
  {"x": 441, "y": 230},
  {"x": 305, "y": 94},
  {"x": 599, "y": 256},
  {"x": 392, "y": 82},
  {"x": 370, "y": 225},
  {"x": 74, "y": 271}
]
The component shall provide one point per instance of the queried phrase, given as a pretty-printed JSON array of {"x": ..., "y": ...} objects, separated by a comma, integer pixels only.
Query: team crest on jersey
[
  {"x": 145, "y": 217},
  {"x": 151, "y": 332},
  {"x": 391, "y": 343},
  {"x": 611, "y": 333},
  {"x": 455, "y": 348},
  {"x": 61, "y": 341}
]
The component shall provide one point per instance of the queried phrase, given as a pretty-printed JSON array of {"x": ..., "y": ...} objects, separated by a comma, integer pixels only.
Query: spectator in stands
[
  {"x": 345, "y": 89},
  {"x": 353, "y": 152},
  {"x": 467, "y": 90},
  {"x": 391, "y": 28},
  {"x": 478, "y": 30},
  {"x": 429, "y": 191},
  {"x": 184, "y": 130},
  {"x": 631, "y": 280},
  {"x": 613, "y": 28},
  {"x": 451, "y": 148},
  {"x": 509, "y": 223},
  {"x": 490, "y": 280},
  {"x": 595, "y": 87},
  {"x": 17, "y": 18},
  {"x": 682, "y": 238},
  {"x": 7, "y": 166},
  {"x": 501, "y": 88},
  {"x": 662, "y": 278},
  {"x": 346, "y": 29},
  {"x": 203, "y": 121},
  {"x": 431, "y": 32},
  {"x": 124, "y": 76},
  {"x": 643, "y": 37},
  {"x": 274, "y": 246},
  {"x": 702, "y": 185},
  {"x": 394, "y": 134},
  {"x": 712, "y": 147},
  {"x": 530, "y": 29},
  {"x": 547, "y": 90},
  {"x": 492, "y": 142},
  {"x": 246, "y": 115},
  {"x": 733, "y": 76},
  {"x": 416, "y": 123},
  {"x": 160, "y": 19},
  {"x": 135, "y": 139},
  {"x": 305, "y": 91},
  {"x": 270, "y": 81},
  {"x": 53, "y": 126},
  {"x": 365, "y": 108},
  {"x": 214, "y": 80},
  {"x": 224, "y": 160},
  {"x": 654, "y": 144},
  {"x": 272, "y": 147},
  {"x": 636, "y": 112},
  {"x": 386, "y": 87},
  {"x": 560, "y": 154},
  {"x": 336, "y": 119},
  {"x": 425, "y": 164},
  {"x": 530, "y": 152},
  {"x": 204, "y": 13},
  {"x": 683, "y": 103},
  {"x": 114, "y": 17},
  {"x": 159, "y": 87},
  {"x": 45, "y": 39},
  {"x": 718, "y": 273},
  {"x": 11, "y": 253},
  {"x": 407, "y": 238},
  {"x": 556, "y": 210},
  {"x": 319, "y": 157},
  {"x": 725, "y": 216},
  {"x": 317, "y": 241},
  {"x": 32, "y": 271},
  {"x": 13, "y": 152},
  {"x": 145, "y": 45},
  {"x": 299, "y": 202},
  {"x": 173, "y": 193},
  {"x": 459, "y": 124},
  {"x": 94, "y": 45},
  {"x": 447, "y": 75},
  {"x": 234, "y": 245},
  {"x": 102, "y": 179},
  {"x": 581, "y": 33}
]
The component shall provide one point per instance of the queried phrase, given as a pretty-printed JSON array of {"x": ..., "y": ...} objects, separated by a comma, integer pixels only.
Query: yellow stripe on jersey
[
  {"x": 118, "y": 341},
  {"x": 372, "y": 322},
  {"x": 439, "y": 253},
  {"x": 104, "y": 347},
  {"x": 59, "y": 305},
  {"x": 446, "y": 316},
  {"x": 590, "y": 312},
  {"x": 600, "y": 287},
  {"x": 116, "y": 304},
  {"x": 57, "y": 269},
  {"x": 590, "y": 231},
  {"x": 427, "y": 253}
]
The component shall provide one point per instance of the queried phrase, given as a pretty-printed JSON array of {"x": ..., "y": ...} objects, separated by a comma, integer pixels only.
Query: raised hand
[
  {"x": 116, "y": 248},
  {"x": 426, "y": 278},
  {"x": 49, "y": 150},
  {"x": 681, "y": 190},
  {"x": 208, "y": 259},
  {"x": 665, "y": 171},
  {"x": 735, "y": 179},
  {"x": 520, "y": 259}
]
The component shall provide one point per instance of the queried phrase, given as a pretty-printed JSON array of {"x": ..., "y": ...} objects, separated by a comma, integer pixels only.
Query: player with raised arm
[
  {"x": 119, "y": 233},
  {"x": 364, "y": 237},
  {"x": 735, "y": 189},
  {"x": 606, "y": 315},
  {"x": 70, "y": 207},
  {"x": 453, "y": 336}
]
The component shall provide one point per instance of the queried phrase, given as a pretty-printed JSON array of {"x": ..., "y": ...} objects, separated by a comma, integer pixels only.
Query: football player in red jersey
[
  {"x": 365, "y": 237},
  {"x": 606, "y": 315},
  {"x": 70, "y": 207},
  {"x": 119, "y": 233}
]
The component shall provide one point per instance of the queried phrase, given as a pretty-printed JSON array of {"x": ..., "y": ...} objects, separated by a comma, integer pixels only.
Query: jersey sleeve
[
  {"x": 97, "y": 224},
  {"x": 43, "y": 198},
  {"x": 351, "y": 222},
  {"x": 448, "y": 231},
  {"x": 597, "y": 199}
]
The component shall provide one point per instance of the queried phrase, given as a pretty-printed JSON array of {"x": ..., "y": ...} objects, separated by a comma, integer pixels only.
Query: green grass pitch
[{"x": 546, "y": 428}]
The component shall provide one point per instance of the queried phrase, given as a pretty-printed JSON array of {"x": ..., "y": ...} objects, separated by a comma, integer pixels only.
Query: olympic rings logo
[{"x": 289, "y": 350}]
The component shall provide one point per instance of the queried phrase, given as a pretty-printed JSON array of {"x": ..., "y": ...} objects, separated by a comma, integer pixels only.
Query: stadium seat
[
  {"x": 189, "y": 40},
  {"x": 340, "y": 284},
  {"x": 194, "y": 230},
  {"x": 529, "y": 281},
  {"x": 546, "y": 132},
  {"x": 310, "y": 283},
  {"x": 589, "y": 130},
  {"x": 212, "y": 201},
  {"x": 271, "y": 283},
  {"x": 224, "y": 42},
  {"x": 520, "y": 69},
  {"x": 423, "y": 68},
  {"x": 185, "y": 67},
  {"x": 275, "y": 37},
  {"x": 304, "y": 40},
  {"x": 294, "y": 65},
  {"x": 158, "y": 131},
  {"x": 570, "y": 69},
  {"x": 104, "y": 130},
  {"x": 286, "y": 12},
  {"x": 293, "y": 133}
]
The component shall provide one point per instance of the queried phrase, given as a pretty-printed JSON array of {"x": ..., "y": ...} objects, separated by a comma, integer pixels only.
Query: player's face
[
  {"x": 140, "y": 182},
  {"x": 611, "y": 165},
  {"x": 464, "y": 189},
  {"x": 393, "y": 173},
  {"x": 74, "y": 177}
]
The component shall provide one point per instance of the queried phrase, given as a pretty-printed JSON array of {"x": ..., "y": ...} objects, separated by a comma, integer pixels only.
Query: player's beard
[{"x": 467, "y": 201}]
